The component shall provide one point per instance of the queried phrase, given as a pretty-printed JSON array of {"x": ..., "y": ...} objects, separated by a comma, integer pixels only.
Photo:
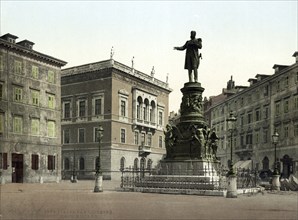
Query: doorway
[
  {"x": 287, "y": 163},
  {"x": 17, "y": 168}
]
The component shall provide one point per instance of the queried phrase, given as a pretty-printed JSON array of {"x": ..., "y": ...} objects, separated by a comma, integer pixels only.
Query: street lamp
[
  {"x": 275, "y": 177},
  {"x": 231, "y": 121},
  {"x": 74, "y": 177},
  {"x": 275, "y": 138},
  {"x": 98, "y": 173}
]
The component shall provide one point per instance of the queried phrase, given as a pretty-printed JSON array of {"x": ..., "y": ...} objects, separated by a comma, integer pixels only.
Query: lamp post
[
  {"x": 74, "y": 176},
  {"x": 231, "y": 127},
  {"x": 98, "y": 173},
  {"x": 275, "y": 179},
  {"x": 232, "y": 178}
]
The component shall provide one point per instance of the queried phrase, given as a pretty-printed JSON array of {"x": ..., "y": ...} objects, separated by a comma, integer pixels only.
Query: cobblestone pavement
[{"x": 78, "y": 201}]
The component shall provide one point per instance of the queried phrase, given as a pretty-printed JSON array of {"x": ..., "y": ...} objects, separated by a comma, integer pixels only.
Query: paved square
[{"x": 77, "y": 201}]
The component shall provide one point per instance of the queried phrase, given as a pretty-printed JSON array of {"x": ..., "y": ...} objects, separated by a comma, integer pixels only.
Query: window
[
  {"x": 296, "y": 130},
  {"x": 257, "y": 137},
  {"x": 98, "y": 107},
  {"x": 51, "y": 76},
  {"x": 51, "y": 162},
  {"x": 51, "y": 129},
  {"x": 35, "y": 126},
  {"x": 242, "y": 120},
  {"x": 138, "y": 111},
  {"x": 1, "y": 91},
  {"x": 149, "y": 140},
  {"x": 266, "y": 112},
  {"x": 286, "y": 82},
  {"x": 66, "y": 110},
  {"x": 249, "y": 118},
  {"x": 160, "y": 118},
  {"x": 142, "y": 138},
  {"x": 286, "y": 106},
  {"x": 265, "y": 137},
  {"x": 35, "y": 97},
  {"x": 123, "y": 107},
  {"x": 18, "y": 94},
  {"x": 258, "y": 116},
  {"x": 82, "y": 108},
  {"x": 266, "y": 90},
  {"x": 286, "y": 131},
  {"x": 277, "y": 86},
  {"x": 35, "y": 72},
  {"x": 81, "y": 135},
  {"x": 122, "y": 163},
  {"x": 296, "y": 77},
  {"x": 3, "y": 161},
  {"x": 51, "y": 101},
  {"x": 1, "y": 63},
  {"x": 249, "y": 139},
  {"x": 122, "y": 135},
  {"x": 66, "y": 164},
  {"x": 17, "y": 67},
  {"x": 296, "y": 102},
  {"x": 136, "y": 137},
  {"x": 66, "y": 136},
  {"x": 18, "y": 124},
  {"x": 1, "y": 123},
  {"x": 277, "y": 109},
  {"x": 135, "y": 164},
  {"x": 34, "y": 161},
  {"x": 160, "y": 141},
  {"x": 242, "y": 140},
  {"x": 82, "y": 163},
  {"x": 149, "y": 164}
]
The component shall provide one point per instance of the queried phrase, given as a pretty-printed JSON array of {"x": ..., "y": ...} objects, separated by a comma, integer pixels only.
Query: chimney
[
  {"x": 26, "y": 43},
  {"x": 252, "y": 81},
  {"x": 278, "y": 67},
  {"x": 9, "y": 37},
  {"x": 296, "y": 56}
]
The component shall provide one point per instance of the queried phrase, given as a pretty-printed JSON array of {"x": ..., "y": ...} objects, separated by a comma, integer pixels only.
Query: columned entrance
[{"x": 17, "y": 168}]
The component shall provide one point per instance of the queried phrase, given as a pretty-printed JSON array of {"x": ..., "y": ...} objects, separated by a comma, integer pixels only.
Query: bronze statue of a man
[{"x": 192, "y": 57}]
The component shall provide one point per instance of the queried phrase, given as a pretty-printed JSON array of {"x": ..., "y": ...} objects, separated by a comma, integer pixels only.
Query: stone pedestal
[
  {"x": 189, "y": 167},
  {"x": 275, "y": 182},
  {"x": 232, "y": 186},
  {"x": 98, "y": 184}
]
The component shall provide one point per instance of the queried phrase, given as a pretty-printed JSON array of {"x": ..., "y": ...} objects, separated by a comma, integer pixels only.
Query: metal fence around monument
[{"x": 150, "y": 178}]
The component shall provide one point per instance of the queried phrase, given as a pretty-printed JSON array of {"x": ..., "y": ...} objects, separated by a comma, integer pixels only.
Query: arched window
[
  {"x": 265, "y": 163},
  {"x": 122, "y": 163},
  {"x": 146, "y": 109},
  {"x": 152, "y": 112},
  {"x": 66, "y": 163},
  {"x": 135, "y": 165},
  {"x": 139, "y": 107},
  {"x": 149, "y": 164},
  {"x": 142, "y": 164},
  {"x": 82, "y": 163},
  {"x": 96, "y": 162}
]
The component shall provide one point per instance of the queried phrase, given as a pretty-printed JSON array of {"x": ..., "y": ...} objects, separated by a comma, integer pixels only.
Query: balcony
[
  {"x": 144, "y": 150},
  {"x": 244, "y": 150}
]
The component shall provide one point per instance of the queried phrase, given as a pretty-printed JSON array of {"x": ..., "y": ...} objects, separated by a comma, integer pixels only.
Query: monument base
[{"x": 198, "y": 167}]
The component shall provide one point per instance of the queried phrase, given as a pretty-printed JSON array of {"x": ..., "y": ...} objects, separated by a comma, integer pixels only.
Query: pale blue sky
[{"x": 240, "y": 38}]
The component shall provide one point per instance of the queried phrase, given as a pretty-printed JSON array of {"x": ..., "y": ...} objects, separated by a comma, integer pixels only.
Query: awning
[{"x": 243, "y": 164}]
